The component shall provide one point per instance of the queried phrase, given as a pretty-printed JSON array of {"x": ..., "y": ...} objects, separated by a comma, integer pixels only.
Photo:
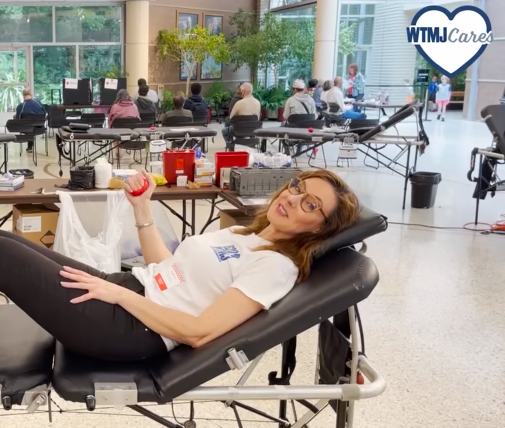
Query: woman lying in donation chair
[{"x": 210, "y": 285}]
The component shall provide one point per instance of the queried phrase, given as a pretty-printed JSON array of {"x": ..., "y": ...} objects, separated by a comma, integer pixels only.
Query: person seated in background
[
  {"x": 318, "y": 91},
  {"x": 247, "y": 106},
  {"x": 336, "y": 96},
  {"x": 237, "y": 97},
  {"x": 300, "y": 102},
  {"x": 195, "y": 102},
  {"x": 332, "y": 94},
  {"x": 124, "y": 107},
  {"x": 143, "y": 103},
  {"x": 151, "y": 94},
  {"x": 178, "y": 110},
  {"x": 29, "y": 106}
]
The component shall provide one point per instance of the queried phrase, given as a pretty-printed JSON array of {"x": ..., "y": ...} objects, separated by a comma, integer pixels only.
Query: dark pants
[
  {"x": 29, "y": 276},
  {"x": 227, "y": 130},
  {"x": 30, "y": 145}
]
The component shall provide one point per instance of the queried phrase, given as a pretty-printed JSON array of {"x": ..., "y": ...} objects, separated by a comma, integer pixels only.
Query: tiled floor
[{"x": 434, "y": 326}]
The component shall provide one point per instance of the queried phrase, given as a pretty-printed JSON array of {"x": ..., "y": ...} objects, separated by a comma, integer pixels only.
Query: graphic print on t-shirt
[{"x": 226, "y": 252}]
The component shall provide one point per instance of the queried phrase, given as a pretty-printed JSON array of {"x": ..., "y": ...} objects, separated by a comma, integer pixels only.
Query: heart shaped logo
[{"x": 450, "y": 41}]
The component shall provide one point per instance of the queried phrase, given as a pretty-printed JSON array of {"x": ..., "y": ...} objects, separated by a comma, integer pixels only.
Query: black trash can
[
  {"x": 424, "y": 189},
  {"x": 28, "y": 173}
]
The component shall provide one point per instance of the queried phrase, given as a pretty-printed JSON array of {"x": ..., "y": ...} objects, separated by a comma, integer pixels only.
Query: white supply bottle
[{"x": 103, "y": 173}]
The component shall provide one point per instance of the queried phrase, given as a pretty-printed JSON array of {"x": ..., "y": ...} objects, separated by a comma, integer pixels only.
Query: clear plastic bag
[
  {"x": 101, "y": 251},
  {"x": 98, "y": 229}
]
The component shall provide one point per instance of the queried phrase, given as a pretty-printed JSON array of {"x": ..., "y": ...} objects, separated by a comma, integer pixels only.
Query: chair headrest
[{"x": 369, "y": 224}]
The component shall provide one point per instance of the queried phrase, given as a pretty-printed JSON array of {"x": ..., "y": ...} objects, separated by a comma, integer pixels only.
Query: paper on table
[
  {"x": 253, "y": 201},
  {"x": 183, "y": 129},
  {"x": 110, "y": 84},
  {"x": 71, "y": 83}
]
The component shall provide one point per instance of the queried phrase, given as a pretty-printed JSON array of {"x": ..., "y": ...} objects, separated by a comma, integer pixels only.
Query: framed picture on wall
[
  {"x": 213, "y": 23},
  {"x": 211, "y": 70},
  {"x": 186, "y": 20},
  {"x": 183, "y": 72}
]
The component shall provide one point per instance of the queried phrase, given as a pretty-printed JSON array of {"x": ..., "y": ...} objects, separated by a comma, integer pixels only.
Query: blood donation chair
[{"x": 32, "y": 364}]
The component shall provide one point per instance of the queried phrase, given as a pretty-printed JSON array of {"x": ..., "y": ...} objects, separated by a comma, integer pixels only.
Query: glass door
[{"x": 14, "y": 77}]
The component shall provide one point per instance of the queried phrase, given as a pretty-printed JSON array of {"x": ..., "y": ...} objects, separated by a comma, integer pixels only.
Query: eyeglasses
[{"x": 310, "y": 203}]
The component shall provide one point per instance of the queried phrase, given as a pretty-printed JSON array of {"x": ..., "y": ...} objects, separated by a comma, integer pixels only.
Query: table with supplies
[{"x": 43, "y": 191}]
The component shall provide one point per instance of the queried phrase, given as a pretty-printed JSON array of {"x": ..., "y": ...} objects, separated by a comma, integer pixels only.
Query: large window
[
  {"x": 51, "y": 64},
  {"x": 88, "y": 24},
  {"x": 13, "y": 72},
  {"x": 300, "y": 68},
  {"x": 25, "y": 24},
  {"x": 356, "y": 24},
  {"x": 66, "y": 41}
]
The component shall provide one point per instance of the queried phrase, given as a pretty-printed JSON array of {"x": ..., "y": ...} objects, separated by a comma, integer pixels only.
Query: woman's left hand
[{"x": 97, "y": 288}]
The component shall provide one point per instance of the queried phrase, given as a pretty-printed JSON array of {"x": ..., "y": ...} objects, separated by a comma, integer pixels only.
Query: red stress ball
[
  {"x": 140, "y": 191},
  {"x": 310, "y": 129}
]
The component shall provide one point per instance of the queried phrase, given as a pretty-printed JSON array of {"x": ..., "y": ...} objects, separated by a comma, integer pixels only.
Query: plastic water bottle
[{"x": 103, "y": 173}]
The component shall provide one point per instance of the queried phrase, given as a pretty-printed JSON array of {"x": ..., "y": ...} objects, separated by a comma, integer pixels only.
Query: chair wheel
[{"x": 189, "y": 424}]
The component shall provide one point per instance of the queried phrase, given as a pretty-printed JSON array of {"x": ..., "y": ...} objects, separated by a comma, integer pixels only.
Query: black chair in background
[
  {"x": 56, "y": 118},
  {"x": 147, "y": 119},
  {"x": 135, "y": 146},
  {"x": 302, "y": 121},
  {"x": 95, "y": 120},
  {"x": 242, "y": 132},
  {"x": 177, "y": 121},
  {"x": 39, "y": 120},
  {"x": 27, "y": 130},
  {"x": 200, "y": 118}
]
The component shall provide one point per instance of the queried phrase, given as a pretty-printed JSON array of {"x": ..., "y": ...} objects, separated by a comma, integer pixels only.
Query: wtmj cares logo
[{"x": 450, "y": 41}]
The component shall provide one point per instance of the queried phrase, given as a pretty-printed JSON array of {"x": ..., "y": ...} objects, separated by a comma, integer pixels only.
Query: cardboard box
[
  {"x": 230, "y": 218},
  {"x": 37, "y": 223}
]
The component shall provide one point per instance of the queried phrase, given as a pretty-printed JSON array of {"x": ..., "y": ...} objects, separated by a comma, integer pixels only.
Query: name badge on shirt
[{"x": 160, "y": 282}]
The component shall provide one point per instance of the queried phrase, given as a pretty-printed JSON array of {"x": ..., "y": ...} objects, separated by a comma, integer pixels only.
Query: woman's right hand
[{"x": 136, "y": 182}]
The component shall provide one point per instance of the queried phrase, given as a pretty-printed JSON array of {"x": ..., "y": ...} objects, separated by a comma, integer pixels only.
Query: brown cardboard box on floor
[
  {"x": 234, "y": 218},
  {"x": 37, "y": 223}
]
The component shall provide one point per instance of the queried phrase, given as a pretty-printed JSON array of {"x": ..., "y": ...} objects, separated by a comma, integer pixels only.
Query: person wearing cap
[{"x": 300, "y": 102}]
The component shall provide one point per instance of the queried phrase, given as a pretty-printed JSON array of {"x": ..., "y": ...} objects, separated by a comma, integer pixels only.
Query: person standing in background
[
  {"x": 443, "y": 97},
  {"x": 29, "y": 106},
  {"x": 356, "y": 81},
  {"x": 432, "y": 93}
]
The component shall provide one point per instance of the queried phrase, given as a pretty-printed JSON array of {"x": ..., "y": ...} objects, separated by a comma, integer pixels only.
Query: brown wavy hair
[{"x": 302, "y": 247}]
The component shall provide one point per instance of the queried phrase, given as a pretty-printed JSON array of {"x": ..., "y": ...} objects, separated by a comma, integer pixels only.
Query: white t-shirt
[
  {"x": 205, "y": 266},
  {"x": 334, "y": 96}
]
